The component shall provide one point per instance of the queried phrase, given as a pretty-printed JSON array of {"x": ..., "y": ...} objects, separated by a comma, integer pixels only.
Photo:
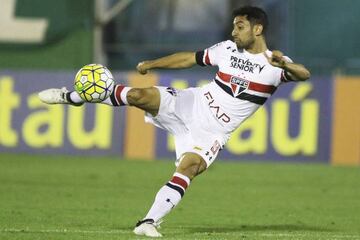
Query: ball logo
[{"x": 83, "y": 79}]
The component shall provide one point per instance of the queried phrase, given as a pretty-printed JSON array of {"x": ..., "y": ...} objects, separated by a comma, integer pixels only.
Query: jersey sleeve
[
  {"x": 285, "y": 76},
  {"x": 211, "y": 55}
]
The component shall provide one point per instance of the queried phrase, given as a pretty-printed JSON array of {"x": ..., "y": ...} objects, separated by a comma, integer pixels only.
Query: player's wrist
[
  {"x": 284, "y": 65},
  {"x": 146, "y": 65}
]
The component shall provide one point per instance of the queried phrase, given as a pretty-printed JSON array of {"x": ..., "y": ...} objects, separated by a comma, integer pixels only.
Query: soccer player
[{"x": 202, "y": 118}]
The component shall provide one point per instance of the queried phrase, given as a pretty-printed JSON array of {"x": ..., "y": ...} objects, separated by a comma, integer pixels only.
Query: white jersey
[
  {"x": 201, "y": 119},
  {"x": 243, "y": 83}
]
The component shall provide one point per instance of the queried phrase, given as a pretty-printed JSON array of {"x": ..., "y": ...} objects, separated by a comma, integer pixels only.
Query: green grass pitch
[{"x": 54, "y": 197}]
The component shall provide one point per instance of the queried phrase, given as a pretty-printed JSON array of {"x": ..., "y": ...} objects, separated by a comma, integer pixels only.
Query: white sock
[
  {"x": 74, "y": 97},
  {"x": 168, "y": 197},
  {"x": 119, "y": 96}
]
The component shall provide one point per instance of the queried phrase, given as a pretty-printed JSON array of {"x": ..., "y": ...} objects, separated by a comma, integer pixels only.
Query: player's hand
[
  {"x": 142, "y": 67},
  {"x": 276, "y": 59}
]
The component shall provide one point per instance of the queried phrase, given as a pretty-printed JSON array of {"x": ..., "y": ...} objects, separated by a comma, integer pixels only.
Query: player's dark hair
[{"x": 254, "y": 15}]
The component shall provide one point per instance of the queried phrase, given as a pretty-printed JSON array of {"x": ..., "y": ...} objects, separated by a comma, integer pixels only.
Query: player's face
[{"x": 242, "y": 32}]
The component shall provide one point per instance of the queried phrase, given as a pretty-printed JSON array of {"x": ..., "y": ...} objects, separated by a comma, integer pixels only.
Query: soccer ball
[{"x": 94, "y": 83}]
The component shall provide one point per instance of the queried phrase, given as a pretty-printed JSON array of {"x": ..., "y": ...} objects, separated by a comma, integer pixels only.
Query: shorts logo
[
  {"x": 215, "y": 148},
  {"x": 238, "y": 84},
  {"x": 209, "y": 157},
  {"x": 172, "y": 91},
  {"x": 197, "y": 148}
]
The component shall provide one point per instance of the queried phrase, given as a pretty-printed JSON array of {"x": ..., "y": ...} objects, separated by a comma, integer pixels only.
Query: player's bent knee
[
  {"x": 134, "y": 96},
  {"x": 141, "y": 96},
  {"x": 191, "y": 165}
]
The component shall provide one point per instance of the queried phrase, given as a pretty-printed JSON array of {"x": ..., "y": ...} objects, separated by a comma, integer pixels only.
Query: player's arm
[
  {"x": 174, "y": 61},
  {"x": 294, "y": 71}
]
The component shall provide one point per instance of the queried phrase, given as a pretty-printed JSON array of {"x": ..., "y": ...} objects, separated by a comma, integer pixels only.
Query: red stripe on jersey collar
[{"x": 207, "y": 59}]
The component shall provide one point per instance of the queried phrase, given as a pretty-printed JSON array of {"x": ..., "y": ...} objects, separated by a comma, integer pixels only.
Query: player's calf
[
  {"x": 165, "y": 200},
  {"x": 191, "y": 165},
  {"x": 171, "y": 193}
]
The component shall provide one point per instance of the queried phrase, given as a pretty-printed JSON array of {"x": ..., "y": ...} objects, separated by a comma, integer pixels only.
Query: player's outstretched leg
[
  {"x": 147, "y": 99},
  {"x": 170, "y": 194}
]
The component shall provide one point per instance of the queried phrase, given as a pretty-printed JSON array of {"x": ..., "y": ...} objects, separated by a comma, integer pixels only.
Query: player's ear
[{"x": 258, "y": 29}]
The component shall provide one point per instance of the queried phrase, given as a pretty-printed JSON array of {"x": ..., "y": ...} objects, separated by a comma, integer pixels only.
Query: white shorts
[{"x": 195, "y": 129}]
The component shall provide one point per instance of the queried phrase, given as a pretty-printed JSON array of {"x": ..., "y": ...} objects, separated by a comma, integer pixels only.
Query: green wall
[
  {"x": 326, "y": 33},
  {"x": 69, "y": 38}
]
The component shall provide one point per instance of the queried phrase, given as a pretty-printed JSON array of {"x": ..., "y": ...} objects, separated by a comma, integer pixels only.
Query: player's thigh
[
  {"x": 191, "y": 165},
  {"x": 147, "y": 99}
]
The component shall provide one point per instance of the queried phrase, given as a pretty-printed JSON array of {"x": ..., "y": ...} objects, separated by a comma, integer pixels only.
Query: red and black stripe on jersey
[
  {"x": 223, "y": 80},
  {"x": 285, "y": 77},
  {"x": 243, "y": 96},
  {"x": 259, "y": 87},
  {"x": 202, "y": 58}
]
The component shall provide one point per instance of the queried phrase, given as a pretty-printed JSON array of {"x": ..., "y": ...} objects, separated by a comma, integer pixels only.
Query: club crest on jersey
[{"x": 238, "y": 85}]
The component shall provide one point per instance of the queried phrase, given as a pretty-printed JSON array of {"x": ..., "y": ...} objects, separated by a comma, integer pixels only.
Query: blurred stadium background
[{"x": 311, "y": 124}]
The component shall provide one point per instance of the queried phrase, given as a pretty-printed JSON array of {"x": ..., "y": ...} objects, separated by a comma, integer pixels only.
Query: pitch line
[
  {"x": 14, "y": 230},
  {"x": 329, "y": 235},
  {"x": 287, "y": 235},
  {"x": 270, "y": 235}
]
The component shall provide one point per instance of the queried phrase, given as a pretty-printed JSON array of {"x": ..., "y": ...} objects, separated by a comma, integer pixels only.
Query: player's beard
[{"x": 245, "y": 44}]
